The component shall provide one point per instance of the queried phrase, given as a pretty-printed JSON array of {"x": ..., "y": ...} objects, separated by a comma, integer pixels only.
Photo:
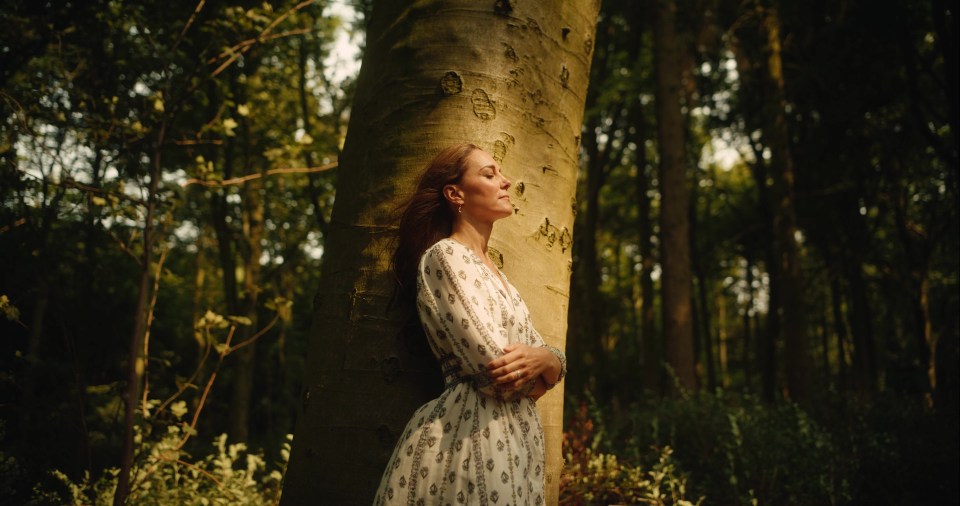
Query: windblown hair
[{"x": 426, "y": 217}]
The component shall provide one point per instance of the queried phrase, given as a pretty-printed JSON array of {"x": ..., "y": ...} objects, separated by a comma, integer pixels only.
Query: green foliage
[
  {"x": 737, "y": 450},
  {"x": 591, "y": 476},
  {"x": 9, "y": 310},
  {"x": 94, "y": 96},
  {"x": 164, "y": 475}
]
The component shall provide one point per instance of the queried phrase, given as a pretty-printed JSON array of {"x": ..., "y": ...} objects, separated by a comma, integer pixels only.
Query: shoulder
[
  {"x": 441, "y": 255},
  {"x": 444, "y": 248},
  {"x": 452, "y": 251}
]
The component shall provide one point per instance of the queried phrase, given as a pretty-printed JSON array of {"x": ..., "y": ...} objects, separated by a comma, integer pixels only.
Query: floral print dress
[{"x": 472, "y": 445}]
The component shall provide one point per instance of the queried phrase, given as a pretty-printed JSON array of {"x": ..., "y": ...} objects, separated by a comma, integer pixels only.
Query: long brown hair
[{"x": 426, "y": 217}]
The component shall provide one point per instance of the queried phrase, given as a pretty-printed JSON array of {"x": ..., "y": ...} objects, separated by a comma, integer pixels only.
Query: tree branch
[{"x": 248, "y": 177}]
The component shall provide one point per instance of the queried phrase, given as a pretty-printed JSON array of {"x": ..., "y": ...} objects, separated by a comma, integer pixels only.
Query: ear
[{"x": 453, "y": 194}]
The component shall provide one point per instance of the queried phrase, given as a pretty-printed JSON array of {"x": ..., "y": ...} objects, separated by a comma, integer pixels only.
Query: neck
[{"x": 472, "y": 235}]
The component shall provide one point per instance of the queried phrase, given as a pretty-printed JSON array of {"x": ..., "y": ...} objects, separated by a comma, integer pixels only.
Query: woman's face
[{"x": 483, "y": 188}]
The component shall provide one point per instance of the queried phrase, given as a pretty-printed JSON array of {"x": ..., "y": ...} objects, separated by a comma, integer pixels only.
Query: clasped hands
[{"x": 520, "y": 365}]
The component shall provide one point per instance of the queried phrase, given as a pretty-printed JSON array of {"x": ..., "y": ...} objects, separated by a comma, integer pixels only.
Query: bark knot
[{"x": 451, "y": 83}]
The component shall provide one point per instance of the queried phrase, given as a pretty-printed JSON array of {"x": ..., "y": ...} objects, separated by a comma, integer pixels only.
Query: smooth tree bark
[
  {"x": 508, "y": 76},
  {"x": 674, "y": 201}
]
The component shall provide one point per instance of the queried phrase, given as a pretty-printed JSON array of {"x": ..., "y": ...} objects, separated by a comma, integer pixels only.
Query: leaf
[
  {"x": 240, "y": 320},
  {"x": 178, "y": 409},
  {"x": 229, "y": 125},
  {"x": 8, "y": 309}
]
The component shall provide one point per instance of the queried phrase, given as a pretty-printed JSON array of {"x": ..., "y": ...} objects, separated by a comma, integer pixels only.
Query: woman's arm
[
  {"x": 532, "y": 362},
  {"x": 451, "y": 308}
]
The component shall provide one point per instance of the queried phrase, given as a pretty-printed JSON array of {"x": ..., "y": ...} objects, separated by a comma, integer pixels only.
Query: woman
[{"x": 481, "y": 441}]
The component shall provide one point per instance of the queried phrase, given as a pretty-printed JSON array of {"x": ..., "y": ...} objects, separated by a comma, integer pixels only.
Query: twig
[
  {"x": 196, "y": 413},
  {"x": 198, "y": 142},
  {"x": 254, "y": 337},
  {"x": 186, "y": 384},
  {"x": 70, "y": 183},
  {"x": 187, "y": 26},
  {"x": 15, "y": 224},
  {"x": 146, "y": 337},
  {"x": 238, "y": 50},
  {"x": 248, "y": 177}
]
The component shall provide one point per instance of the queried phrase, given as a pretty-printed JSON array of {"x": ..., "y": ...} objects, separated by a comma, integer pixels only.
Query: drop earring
[{"x": 460, "y": 209}]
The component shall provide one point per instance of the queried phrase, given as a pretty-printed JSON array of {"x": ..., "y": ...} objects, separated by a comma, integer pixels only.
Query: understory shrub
[
  {"x": 593, "y": 477},
  {"x": 164, "y": 474},
  {"x": 737, "y": 450}
]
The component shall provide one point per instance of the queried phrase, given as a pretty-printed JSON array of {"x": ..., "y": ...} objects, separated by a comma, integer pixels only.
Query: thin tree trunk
[
  {"x": 840, "y": 330},
  {"x": 864, "y": 366},
  {"x": 591, "y": 309},
  {"x": 747, "y": 327},
  {"x": 675, "y": 198},
  {"x": 722, "y": 339},
  {"x": 252, "y": 209},
  {"x": 423, "y": 86},
  {"x": 135, "y": 361},
  {"x": 793, "y": 308},
  {"x": 306, "y": 116},
  {"x": 652, "y": 351},
  {"x": 825, "y": 344},
  {"x": 705, "y": 339}
]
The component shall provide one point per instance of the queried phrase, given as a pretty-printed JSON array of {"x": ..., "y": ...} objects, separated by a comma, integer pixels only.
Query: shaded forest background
[{"x": 167, "y": 172}]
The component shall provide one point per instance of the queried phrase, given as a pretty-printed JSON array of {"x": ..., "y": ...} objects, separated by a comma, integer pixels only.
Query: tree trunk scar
[
  {"x": 510, "y": 53},
  {"x": 451, "y": 84},
  {"x": 496, "y": 256},
  {"x": 482, "y": 105},
  {"x": 501, "y": 146}
]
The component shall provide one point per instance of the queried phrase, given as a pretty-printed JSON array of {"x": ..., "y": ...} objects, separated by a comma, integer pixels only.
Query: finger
[
  {"x": 514, "y": 386},
  {"x": 516, "y": 375},
  {"x": 508, "y": 377},
  {"x": 520, "y": 364},
  {"x": 503, "y": 360}
]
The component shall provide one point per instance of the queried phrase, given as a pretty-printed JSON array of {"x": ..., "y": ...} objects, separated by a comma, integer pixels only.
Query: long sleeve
[{"x": 452, "y": 298}]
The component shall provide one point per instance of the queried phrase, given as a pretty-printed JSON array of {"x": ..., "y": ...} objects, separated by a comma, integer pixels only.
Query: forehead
[{"x": 479, "y": 160}]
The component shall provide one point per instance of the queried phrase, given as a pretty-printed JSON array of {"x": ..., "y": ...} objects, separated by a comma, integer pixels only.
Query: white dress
[{"x": 471, "y": 445}]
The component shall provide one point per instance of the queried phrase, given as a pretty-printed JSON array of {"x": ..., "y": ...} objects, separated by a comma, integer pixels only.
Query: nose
[{"x": 505, "y": 183}]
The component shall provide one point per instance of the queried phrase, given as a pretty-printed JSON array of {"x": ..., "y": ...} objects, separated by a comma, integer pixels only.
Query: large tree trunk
[
  {"x": 510, "y": 77},
  {"x": 675, "y": 201}
]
